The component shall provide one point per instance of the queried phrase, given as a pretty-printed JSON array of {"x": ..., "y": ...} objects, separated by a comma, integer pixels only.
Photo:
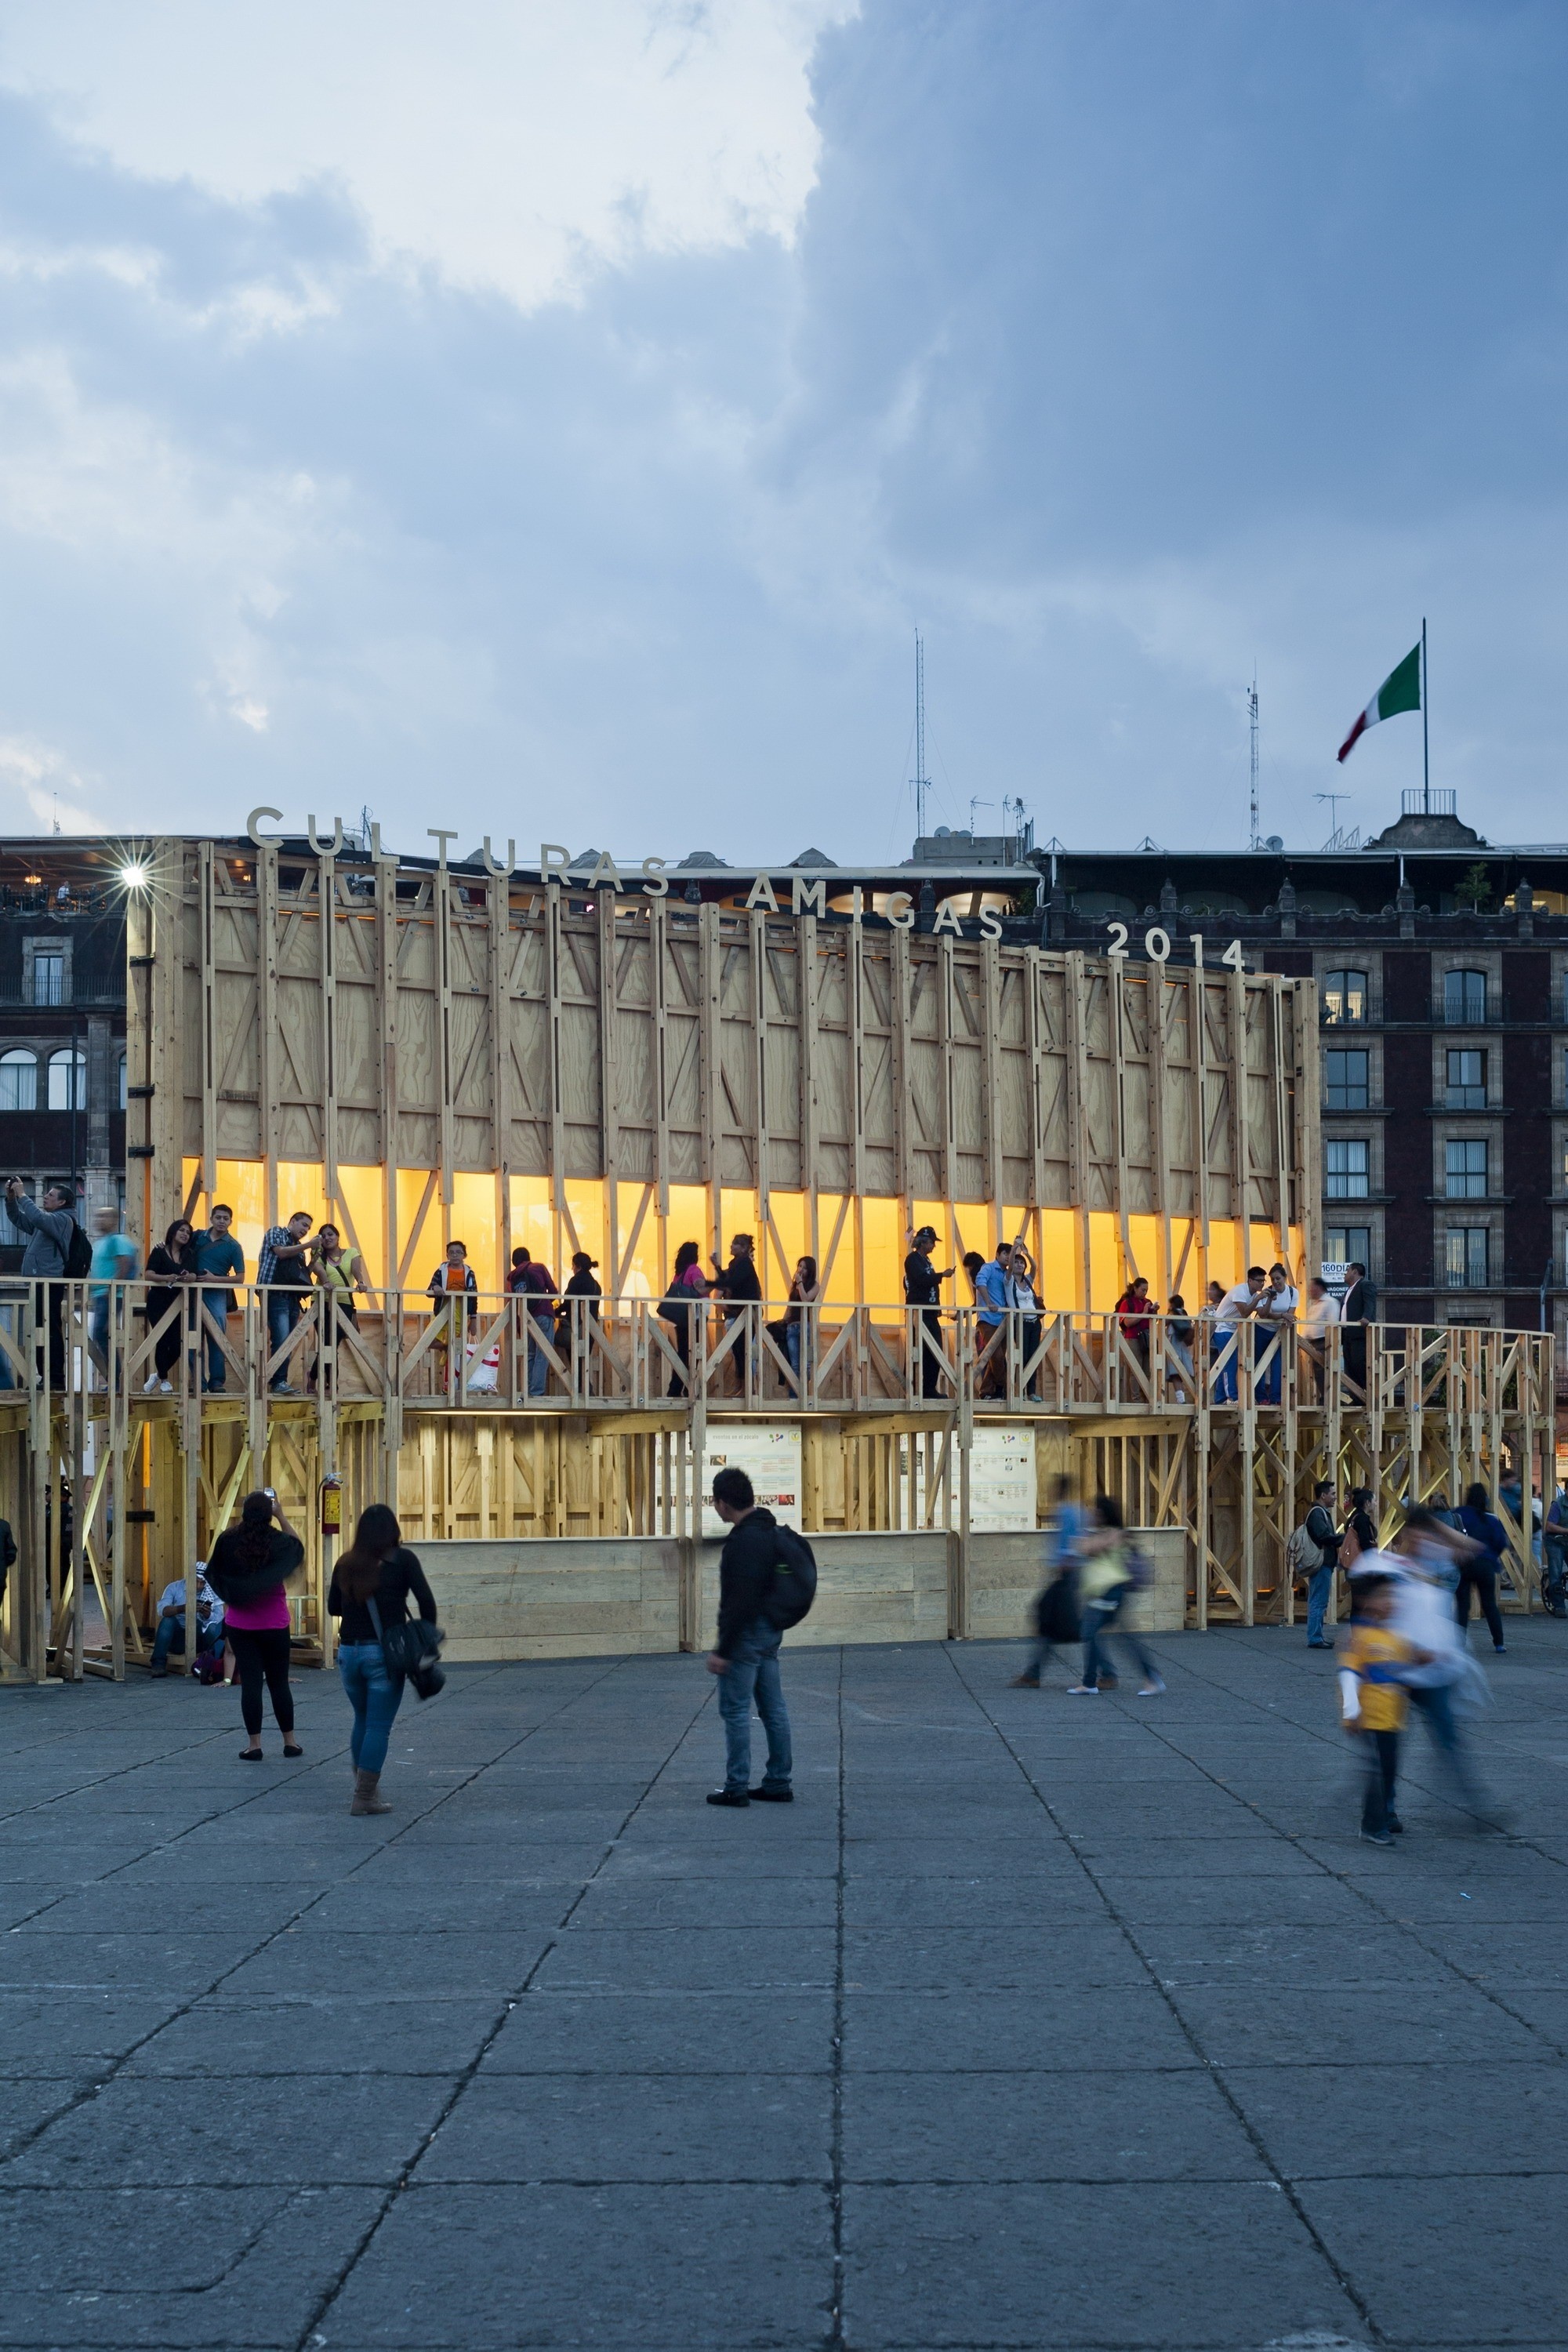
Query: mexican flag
[{"x": 1400, "y": 690}]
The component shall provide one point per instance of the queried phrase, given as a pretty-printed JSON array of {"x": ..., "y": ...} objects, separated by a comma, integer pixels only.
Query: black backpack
[
  {"x": 79, "y": 1254},
  {"x": 792, "y": 1588}
]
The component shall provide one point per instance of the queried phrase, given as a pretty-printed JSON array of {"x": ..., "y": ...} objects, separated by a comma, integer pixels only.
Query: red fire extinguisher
[{"x": 332, "y": 1503}]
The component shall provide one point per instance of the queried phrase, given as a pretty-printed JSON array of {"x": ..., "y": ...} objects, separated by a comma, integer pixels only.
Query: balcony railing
[{"x": 60, "y": 1340}]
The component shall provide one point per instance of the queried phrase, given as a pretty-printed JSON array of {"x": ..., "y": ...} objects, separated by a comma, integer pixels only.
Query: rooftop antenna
[
  {"x": 921, "y": 781},
  {"x": 1252, "y": 840},
  {"x": 976, "y": 802}
]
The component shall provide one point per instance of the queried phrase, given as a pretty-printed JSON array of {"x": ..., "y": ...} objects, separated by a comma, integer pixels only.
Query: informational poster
[
  {"x": 769, "y": 1454},
  {"x": 1002, "y": 1497},
  {"x": 1335, "y": 1276}
]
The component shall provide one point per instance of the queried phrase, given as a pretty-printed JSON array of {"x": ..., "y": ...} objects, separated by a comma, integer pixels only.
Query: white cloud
[
  {"x": 40, "y": 779},
  {"x": 511, "y": 144}
]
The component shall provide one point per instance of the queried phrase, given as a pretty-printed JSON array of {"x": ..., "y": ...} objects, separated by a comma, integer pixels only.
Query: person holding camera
[{"x": 371, "y": 1586}]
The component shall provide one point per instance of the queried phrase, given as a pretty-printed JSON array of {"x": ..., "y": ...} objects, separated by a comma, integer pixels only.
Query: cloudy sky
[{"x": 558, "y": 414}]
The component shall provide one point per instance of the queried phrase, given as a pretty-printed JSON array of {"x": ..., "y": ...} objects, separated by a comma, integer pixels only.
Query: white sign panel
[
  {"x": 769, "y": 1454},
  {"x": 1003, "y": 1495}
]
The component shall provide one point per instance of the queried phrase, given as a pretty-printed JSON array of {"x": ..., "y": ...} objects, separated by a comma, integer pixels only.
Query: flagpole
[{"x": 1425, "y": 754}]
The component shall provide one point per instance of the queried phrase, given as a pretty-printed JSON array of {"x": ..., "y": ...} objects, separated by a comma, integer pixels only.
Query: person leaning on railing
[
  {"x": 284, "y": 1278},
  {"x": 114, "y": 1259},
  {"x": 923, "y": 1292},
  {"x": 218, "y": 1253},
  {"x": 171, "y": 1271}
]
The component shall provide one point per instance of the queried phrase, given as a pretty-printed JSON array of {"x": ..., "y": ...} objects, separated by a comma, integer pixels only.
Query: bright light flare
[{"x": 134, "y": 877}]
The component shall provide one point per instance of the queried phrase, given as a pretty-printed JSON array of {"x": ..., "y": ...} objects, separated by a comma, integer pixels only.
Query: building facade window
[
  {"x": 1345, "y": 1170},
  {"x": 1464, "y": 999},
  {"x": 119, "y": 1085},
  {"x": 1465, "y": 1168},
  {"x": 1344, "y": 997},
  {"x": 19, "y": 1080},
  {"x": 1345, "y": 1078},
  {"x": 1467, "y": 1086},
  {"x": 1343, "y": 1243},
  {"x": 68, "y": 1080},
  {"x": 49, "y": 977},
  {"x": 1465, "y": 1259}
]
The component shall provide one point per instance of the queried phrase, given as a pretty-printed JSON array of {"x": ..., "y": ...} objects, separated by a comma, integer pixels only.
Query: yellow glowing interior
[{"x": 867, "y": 1262}]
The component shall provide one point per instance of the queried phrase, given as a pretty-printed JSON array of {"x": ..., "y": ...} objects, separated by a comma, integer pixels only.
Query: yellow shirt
[
  {"x": 1373, "y": 1654},
  {"x": 1103, "y": 1569}
]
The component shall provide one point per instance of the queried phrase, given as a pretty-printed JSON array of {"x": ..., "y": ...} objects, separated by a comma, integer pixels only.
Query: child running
[{"x": 1372, "y": 1698}]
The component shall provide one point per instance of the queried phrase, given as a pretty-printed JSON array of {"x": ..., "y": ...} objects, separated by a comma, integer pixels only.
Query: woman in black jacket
[
  {"x": 247, "y": 1569},
  {"x": 377, "y": 1570},
  {"x": 172, "y": 1268}
]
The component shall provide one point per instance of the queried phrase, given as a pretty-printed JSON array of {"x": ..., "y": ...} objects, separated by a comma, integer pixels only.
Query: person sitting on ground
[{"x": 171, "y": 1629}]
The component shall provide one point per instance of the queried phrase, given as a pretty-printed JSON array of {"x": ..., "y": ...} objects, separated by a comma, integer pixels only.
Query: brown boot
[{"x": 367, "y": 1794}]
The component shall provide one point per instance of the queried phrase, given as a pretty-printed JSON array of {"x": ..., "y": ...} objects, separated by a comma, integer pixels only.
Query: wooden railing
[{"x": 62, "y": 1341}]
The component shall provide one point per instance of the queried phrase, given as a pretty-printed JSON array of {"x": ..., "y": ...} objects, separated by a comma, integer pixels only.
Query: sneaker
[
  {"x": 1396, "y": 1825},
  {"x": 766, "y": 1796},
  {"x": 149, "y": 1385},
  {"x": 1377, "y": 1837},
  {"x": 165, "y": 1388},
  {"x": 1500, "y": 1650},
  {"x": 1319, "y": 1645},
  {"x": 729, "y": 1796},
  {"x": 1151, "y": 1689},
  {"x": 1082, "y": 1690},
  {"x": 1025, "y": 1681}
]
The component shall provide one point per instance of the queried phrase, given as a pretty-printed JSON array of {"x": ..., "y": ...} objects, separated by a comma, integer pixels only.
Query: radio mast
[
  {"x": 921, "y": 781},
  {"x": 1252, "y": 840}
]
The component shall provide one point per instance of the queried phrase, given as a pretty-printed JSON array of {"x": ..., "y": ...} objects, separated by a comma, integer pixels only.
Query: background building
[
  {"x": 62, "y": 1020},
  {"x": 1442, "y": 967}
]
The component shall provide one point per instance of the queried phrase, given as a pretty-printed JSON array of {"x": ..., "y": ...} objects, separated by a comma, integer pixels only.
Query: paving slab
[{"x": 1031, "y": 2022}]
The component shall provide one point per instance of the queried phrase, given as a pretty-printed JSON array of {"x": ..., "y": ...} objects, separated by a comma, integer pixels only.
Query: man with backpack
[
  {"x": 1314, "y": 1552},
  {"x": 767, "y": 1581}
]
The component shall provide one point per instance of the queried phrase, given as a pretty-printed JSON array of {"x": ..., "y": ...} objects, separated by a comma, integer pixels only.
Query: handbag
[{"x": 412, "y": 1649}]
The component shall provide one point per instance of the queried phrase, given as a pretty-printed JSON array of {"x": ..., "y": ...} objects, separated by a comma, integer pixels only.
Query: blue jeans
[
  {"x": 1320, "y": 1584},
  {"x": 374, "y": 1695},
  {"x": 1098, "y": 1616},
  {"x": 216, "y": 1303},
  {"x": 96, "y": 1330},
  {"x": 284, "y": 1309},
  {"x": 755, "y": 1676},
  {"x": 538, "y": 1362},
  {"x": 170, "y": 1636}
]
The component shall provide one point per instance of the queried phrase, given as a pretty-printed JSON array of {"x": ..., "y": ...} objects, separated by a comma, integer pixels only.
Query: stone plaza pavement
[{"x": 1037, "y": 2020}]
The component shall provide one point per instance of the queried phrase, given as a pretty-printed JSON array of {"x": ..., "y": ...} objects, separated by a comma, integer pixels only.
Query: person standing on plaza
[
  {"x": 248, "y": 1570},
  {"x": 1359, "y": 1534},
  {"x": 1449, "y": 1687},
  {"x": 1555, "y": 1554},
  {"x": 923, "y": 1295},
  {"x": 745, "y": 1652},
  {"x": 114, "y": 1259},
  {"x": 378, "y": 1573},
  {"x": 218, "y": 1254},
  {"x": 1064, "y": 1531},
  {"x": 50, "y": 1228},
  {"x": 1377, "y": 1658},
  {"x": 1479, "y": 1568},
  {"x": 1105, "y": 1582},
  {"x": 284, "y": 1276},
  {"x": 1322, "y": 1532}
]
